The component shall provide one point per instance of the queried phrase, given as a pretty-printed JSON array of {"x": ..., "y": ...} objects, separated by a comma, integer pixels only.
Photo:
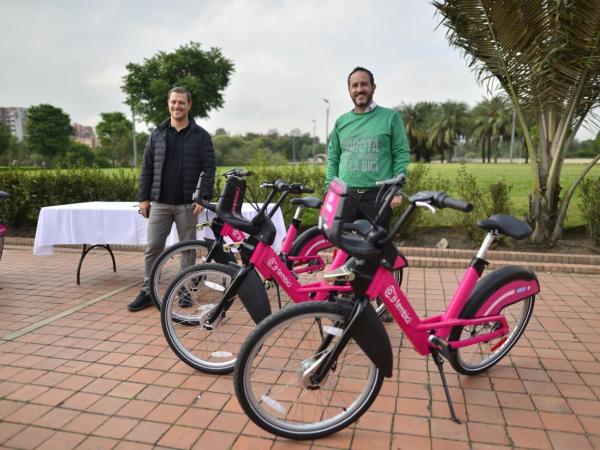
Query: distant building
[
  {"x": 85, "y": 135},
  {"x": 14, "y": 119}
]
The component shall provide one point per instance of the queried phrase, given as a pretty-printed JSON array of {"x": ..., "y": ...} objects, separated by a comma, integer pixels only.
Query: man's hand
[
  {"x": 396, "y": 201},
  {"x": 144, "y": 208},
  {"x": 197, "y": 209}
]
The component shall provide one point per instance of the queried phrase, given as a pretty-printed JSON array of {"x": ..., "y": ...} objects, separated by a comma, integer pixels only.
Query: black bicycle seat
[
  {"x": 356, "y": 245},
  {"x": 507, "y": 225},
  {"x": 360, "y": 226}
]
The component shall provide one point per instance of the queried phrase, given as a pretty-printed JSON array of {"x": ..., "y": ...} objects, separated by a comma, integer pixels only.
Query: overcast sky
[{"x": 288, "y": 55}]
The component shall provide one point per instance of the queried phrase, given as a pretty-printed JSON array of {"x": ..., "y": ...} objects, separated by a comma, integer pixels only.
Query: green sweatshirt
[{"x": 368, "y": 147}]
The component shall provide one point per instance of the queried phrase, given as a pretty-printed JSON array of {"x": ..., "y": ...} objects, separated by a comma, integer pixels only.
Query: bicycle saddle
[
  {"x": 507, "y": 225},
  {"x": 307, "y": 202}
]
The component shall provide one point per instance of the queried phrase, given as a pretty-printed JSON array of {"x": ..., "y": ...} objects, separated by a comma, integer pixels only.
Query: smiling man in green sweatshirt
[{"x": 367, "y": 144}]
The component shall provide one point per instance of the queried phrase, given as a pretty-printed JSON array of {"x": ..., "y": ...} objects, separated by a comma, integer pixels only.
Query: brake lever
[{"x": 426, "y": 205}]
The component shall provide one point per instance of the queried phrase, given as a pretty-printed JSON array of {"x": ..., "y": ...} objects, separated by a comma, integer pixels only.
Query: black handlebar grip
[
  {"x": 455, "y": 203},
  {"x": 242, "y": 172},
  {"x": 307, "y": 190},
  {"x": 281, "y": 186}
]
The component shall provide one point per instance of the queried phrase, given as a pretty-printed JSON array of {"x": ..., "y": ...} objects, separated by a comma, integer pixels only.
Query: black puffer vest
[{"x": 198, "y": 156}]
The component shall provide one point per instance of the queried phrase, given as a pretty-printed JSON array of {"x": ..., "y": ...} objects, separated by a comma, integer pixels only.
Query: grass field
[{"x": 518, "y": 176}]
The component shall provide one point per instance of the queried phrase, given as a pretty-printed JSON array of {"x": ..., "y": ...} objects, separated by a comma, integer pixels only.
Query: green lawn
[{"x": 519, "y": 177}]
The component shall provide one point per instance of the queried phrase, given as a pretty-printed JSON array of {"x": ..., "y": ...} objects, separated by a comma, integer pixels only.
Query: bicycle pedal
[
  {"x": 228, "y": 247},
  {"x": 339, "y": 274}
]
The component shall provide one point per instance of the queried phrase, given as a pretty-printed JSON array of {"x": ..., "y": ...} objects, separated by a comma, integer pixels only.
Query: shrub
[
  {"x": 31, "y": 191},
  {"x": 590, "y": 207}
]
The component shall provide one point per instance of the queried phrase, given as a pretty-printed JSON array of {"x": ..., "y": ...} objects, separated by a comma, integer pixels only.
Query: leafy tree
[
  {"x": 8, "y": 144},
  {"x": 79, "y": 154},
  {"x": 115, "y": 136},
  {"x": 204, "y": 73},
  {"x": 47, "y": 131},
  {"x": 6, "y": 138},
  {"x": 546, "y": 57}
]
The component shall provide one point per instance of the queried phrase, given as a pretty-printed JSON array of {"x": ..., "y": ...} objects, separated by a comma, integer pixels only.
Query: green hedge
[{"x": 32, "y": 190}]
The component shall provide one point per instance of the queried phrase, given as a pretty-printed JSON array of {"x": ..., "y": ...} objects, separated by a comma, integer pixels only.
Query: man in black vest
[{"x": 175, "y": 155}]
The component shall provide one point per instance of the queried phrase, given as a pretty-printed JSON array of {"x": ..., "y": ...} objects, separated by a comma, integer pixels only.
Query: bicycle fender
[
  {"x": 369, "y": 333},
  {"x": 253, "y": 295},
  {"x": 500, "y": 288}
]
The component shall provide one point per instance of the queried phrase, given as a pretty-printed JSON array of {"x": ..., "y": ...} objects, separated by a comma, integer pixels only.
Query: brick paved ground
[{"x": 77, "y": 370}]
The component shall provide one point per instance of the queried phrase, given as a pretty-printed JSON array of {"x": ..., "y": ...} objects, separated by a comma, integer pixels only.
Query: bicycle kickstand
[{"x": 439, "y": 362}]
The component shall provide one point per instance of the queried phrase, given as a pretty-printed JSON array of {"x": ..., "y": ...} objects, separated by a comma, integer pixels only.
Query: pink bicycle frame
[
  {"x": 419, "y": 330},
  {"x": 270, "y": 266}
]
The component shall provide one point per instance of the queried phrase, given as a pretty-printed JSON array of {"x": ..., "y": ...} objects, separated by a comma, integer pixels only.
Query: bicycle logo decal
[{"x": 390, "y": 294}]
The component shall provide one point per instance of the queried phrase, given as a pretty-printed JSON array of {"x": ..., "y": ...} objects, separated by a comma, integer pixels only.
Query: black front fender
[
  {"x": 369, "y": 333},
  {"x": 253, "y": 295}
]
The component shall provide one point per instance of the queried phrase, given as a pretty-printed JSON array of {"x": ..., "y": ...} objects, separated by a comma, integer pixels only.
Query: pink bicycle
[
  {"x": 226, "y": 302},
  {"x": 3, "y": 227},
  {"x": 301, "y": 252},
  {"x": 312, "y": 369}
]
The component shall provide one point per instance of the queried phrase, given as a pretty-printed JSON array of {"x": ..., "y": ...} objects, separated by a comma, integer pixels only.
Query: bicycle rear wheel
[
  {"x": 173, "y": 260},
  {"x": 188, "y": 301},
  {"x": 478, "y": 358},
  {"x": 272, "y": 377}
]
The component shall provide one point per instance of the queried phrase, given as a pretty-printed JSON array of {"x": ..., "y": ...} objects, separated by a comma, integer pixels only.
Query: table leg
[{"x": 87, "y": 249}]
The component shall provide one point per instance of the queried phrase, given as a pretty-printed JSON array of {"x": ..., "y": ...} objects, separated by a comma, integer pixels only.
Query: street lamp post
[
  {"x": 326, "y": 123},
  {"x": 314, "y": 137}
]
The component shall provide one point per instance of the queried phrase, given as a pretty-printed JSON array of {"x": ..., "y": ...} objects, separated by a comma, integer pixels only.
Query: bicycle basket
[
  {"x": 330, "y": 217},
  {"x": 232, "y": 198}
]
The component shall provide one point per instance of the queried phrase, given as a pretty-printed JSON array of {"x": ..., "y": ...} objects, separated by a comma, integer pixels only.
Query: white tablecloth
[{"x": 111, "y": 223}]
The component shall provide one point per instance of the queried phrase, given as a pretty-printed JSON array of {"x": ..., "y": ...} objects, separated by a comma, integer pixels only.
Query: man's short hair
[
  {"x": 180, "y": 90},
  {"x": 361, "y": 69}
]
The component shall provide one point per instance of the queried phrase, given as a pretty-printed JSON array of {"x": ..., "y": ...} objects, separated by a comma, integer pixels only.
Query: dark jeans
[{"x": 367, "y": 201}]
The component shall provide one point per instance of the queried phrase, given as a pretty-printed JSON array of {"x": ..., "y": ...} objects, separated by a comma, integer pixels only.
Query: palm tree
[
  {"x": 546, "y": 57},
  {"x": 449, "y": 125},
  {"x": 493, "y": 119},
  {"x": 416, "y": 118}
]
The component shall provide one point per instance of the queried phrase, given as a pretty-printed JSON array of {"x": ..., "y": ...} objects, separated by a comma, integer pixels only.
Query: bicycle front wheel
[
  {"x": 192, "y": 296},
  {"x": 478, "y": 358},
  {"x": 272, "y": 378}
]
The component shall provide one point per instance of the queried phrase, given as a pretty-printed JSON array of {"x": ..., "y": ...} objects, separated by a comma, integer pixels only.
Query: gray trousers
[{"x": 160, "y": 222}]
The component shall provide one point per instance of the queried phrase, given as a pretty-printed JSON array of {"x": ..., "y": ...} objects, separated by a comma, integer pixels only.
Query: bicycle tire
[
  {"x": 167, "y": 265},
  {"x": 478, "y": 358},
  {"x": 279, "y": 350},
  {"x": 208, "y": 350}
]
